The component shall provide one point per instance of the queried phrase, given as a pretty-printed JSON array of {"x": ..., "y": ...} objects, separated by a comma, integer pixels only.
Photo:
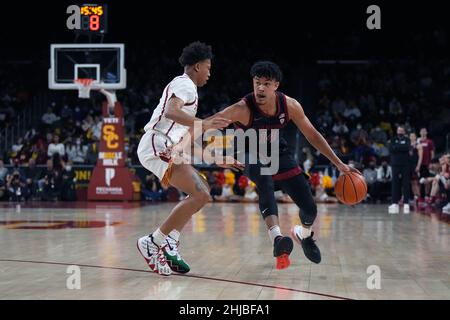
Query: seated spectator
[
  {"x": 338, "y": 106},
  {"x": 445, "y": 183},
  {"x": 52, "y": 186},
  {"x": 358, "y": 134},
  {"x": 152, "y": 189},
  {"x": 3, "y": 171},
  {"x": 17, "y": 187},
  {"x": 3, "y": 191},
  {"x": 309, "y": 160},
  {"x": 440, "y": 183},
  {"x": 352, "y": 112},
  {"x": 378, "y": 135},
  {"x": 68, "y": 192},
  {"x": 240, "y": 186},
  {"x": 39, "y": 151},
  {"x": 17, "y": 147},
  {"x": 381, "y": 151},
  {"x": 97, "y": 128},
  {"x": 49, "y": 118},
  {"x": 370, "y": 175},
  {"x": 340, "y": 128},
  {"x": 395, "y": 107},
  {"x": 430, "y": 179},
  {"x": 250, "y": 193},
  {"x": 31, "y": 174},
  {"x": 77, "y": 152},
  {"x": 56, "y": 148},
  {"x": 66, "y": 112},
  {"x": 384, "y": 180},
  {"x": 92, "y": 152}
]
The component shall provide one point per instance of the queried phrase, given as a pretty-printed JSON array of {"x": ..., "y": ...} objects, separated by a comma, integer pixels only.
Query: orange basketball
[{"x": 351, "y": 188}]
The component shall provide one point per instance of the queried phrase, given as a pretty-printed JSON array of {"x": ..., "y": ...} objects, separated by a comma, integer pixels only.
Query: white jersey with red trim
[{"x": 185, "y": 89}]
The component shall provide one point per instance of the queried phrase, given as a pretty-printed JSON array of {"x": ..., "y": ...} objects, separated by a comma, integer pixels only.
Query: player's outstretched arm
[
  {"x": 302, "y": 122},
  {"x": 175, "y": 113},
  {"x": 238, "y": 112}
]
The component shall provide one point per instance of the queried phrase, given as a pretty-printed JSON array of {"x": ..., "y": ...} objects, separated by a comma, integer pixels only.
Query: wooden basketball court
[{"x": 229, "y": 252}]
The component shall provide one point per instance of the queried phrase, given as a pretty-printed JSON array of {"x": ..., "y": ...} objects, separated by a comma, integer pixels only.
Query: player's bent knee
[{"x": 202, "y": 197}]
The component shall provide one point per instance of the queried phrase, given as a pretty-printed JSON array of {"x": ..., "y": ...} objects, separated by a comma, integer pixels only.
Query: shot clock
[
  {"x": 93, "y": 18},
  {"x": 88, "y": 18}
]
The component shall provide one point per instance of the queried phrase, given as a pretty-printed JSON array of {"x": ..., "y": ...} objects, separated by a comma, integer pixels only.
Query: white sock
[
  {"x": 159, "y": 237},
  {"x": 274, "y": 232},
  {"x": 174, "y": 234},
  {"x": 305, "y": 232}
]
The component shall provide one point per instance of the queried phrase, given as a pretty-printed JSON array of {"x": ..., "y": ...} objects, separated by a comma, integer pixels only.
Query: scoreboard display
[{"x": 94, "y": 18}]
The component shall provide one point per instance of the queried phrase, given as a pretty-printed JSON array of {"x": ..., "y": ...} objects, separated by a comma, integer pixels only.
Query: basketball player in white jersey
[{"x": 171, "y": 120}]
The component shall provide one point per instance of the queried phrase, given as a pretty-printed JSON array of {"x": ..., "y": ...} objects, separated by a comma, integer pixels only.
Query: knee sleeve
[
  {"x": 308, "y": 214},
  {"x": 299, "y": 190},
  {"x": 266, "y": 193}
]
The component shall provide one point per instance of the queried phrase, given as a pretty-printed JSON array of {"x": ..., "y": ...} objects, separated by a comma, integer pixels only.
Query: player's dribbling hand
[
  {"x": 346, "y": 169},
  {"x": 215, "y": 123}
]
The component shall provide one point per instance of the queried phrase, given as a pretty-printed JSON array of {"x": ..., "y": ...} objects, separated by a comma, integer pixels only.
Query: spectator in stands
[
  {"x": 51, "y": 183},
  {"x": 87, "y": 124},
  {"x": 68, "y": 192},
  {"x": 214, "y": 182},
  {"x": 384, "y": 179},
  {"x": 31, "y": 174},
  {"x": 39, "y": 150},
  {"x": 66, "y": 113},
  {"x": 3, "y": 191},
  {"x": 97, "y": 128},
  {"x": 445, "y": 183},
  {"x": 363, "y": 152},
  {"x": 56, "y": 147},
  {"x": 17, "y": 147},
  {"x": 77, "y": 152},
  {"x": 48, "y": 171},
  {"x": 152, "y": 189},
  {"x": 3, "y": 171},
  {"x": 358, "y": 134},
  {"x": 250, "y": 193},
  {"x": 340, "y": 128},
  {"x": 240, "y": 185},
  {"x": 308, "y": 159},
  {"x": 352, "y": 112},
  {"x": 370, "y": 175},
  {"x": 17, "y": 187},
  {"x": 338, "y": 106},
  {"x": 395, "y": 107},
  {"x": 381, "y": 151},
  {"x": 92, "y": 153},
  {"x": 378, "y": 135},
  {"x": 439, "y": 180},
  {"x": 49, "y": 118}
]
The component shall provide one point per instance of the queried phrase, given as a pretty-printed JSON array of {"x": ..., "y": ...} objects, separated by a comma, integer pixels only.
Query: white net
[{"x": 84, "y": 87}]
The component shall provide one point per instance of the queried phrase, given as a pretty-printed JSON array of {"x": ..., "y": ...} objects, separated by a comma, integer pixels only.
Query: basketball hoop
[{"x": 84, "y": 87}]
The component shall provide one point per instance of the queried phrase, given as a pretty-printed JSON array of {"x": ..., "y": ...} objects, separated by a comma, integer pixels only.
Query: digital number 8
[{"x": 94, "y": 23}]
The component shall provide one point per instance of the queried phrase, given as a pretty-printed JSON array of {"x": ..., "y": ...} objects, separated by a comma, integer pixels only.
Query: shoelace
[
  {"x": 310, "y": 238},
  {"x": 161, "y": 258},
  {"x": 173, "y": 246}
]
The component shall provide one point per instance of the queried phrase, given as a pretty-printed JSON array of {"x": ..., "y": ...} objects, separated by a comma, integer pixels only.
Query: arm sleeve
[{"x": 184, "y": 91}]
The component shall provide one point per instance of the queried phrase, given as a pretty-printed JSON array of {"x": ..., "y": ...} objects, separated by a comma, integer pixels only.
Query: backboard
[{"x": 102, "y": 62}]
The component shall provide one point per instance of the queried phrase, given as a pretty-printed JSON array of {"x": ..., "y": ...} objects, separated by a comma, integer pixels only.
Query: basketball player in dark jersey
[{"x": 266, "y": 108}]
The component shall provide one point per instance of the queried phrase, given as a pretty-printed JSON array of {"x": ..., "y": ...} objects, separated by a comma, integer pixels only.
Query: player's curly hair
[
  {"x": 266, "y": 69},
  {"x": 194, "y": 53}
]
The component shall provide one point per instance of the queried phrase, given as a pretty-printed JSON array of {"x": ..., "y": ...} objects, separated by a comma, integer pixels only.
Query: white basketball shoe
[{"x": 153, "y": 255}]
